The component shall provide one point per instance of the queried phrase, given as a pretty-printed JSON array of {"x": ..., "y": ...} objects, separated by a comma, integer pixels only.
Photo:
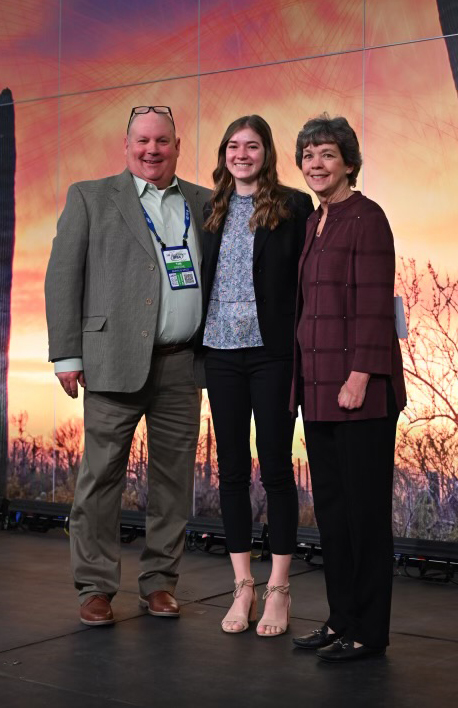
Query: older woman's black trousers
[
  {"x": 241, "y": 382},
  {"x": 351, "y": 467}
]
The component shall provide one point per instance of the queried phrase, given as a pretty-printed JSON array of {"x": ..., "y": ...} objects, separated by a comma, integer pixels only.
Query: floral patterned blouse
[{"x": 232, "y": 319}]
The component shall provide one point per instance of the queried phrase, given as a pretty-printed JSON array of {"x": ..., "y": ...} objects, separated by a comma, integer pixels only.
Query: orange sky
[{"x": 405, "y": 113}]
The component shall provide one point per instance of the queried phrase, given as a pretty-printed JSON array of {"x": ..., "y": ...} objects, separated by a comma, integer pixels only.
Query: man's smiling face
[{"x": 152, "y": 149}]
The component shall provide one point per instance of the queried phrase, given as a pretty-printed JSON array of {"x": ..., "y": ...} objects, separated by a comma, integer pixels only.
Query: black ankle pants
[{"x": 241, "y": 382}]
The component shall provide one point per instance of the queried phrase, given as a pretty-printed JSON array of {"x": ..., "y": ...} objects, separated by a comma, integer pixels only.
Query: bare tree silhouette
[
  {"x": 426, "y": 474},
  {"x": 430, "y": 353}
]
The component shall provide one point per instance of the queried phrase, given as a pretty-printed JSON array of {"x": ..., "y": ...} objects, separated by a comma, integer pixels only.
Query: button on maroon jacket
[{"x": 345, "y": 313}]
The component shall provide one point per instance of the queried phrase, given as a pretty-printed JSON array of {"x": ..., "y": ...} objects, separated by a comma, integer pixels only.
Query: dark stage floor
[{"x": 47, "y": 658}]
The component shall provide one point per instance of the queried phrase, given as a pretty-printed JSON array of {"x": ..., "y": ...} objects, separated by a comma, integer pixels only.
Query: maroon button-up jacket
[{"x": 345, "y": 313}]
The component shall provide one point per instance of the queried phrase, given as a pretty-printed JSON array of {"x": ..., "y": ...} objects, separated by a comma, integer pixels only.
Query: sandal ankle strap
[
  {"x": 239, "y": 586},
  {"x": 283, "y": 589}
]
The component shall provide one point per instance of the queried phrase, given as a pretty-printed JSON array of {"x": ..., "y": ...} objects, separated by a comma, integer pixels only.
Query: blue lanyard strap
[{"x": 187, "y": 224}]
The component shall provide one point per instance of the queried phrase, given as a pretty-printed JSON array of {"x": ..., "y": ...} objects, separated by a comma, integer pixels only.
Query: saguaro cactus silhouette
[{"x": 7, "y": 221}]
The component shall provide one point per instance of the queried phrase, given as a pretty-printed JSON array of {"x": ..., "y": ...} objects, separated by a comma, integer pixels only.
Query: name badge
[{"x": 179, "y": 267}]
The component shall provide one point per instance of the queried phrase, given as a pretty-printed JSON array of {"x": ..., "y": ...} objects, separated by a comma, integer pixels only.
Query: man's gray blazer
[{"x": 103, "y": 281}]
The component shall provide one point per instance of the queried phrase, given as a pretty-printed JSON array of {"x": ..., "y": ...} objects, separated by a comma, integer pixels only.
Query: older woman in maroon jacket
[{"x": 349, "y": 382}]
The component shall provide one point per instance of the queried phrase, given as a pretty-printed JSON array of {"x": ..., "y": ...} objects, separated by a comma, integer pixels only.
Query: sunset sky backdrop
[{"x": 77, "y": 67}]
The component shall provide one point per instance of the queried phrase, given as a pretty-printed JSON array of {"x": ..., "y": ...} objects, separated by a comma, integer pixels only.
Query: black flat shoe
[
  {"x": 345, "y": 650},
  {"x": 315, "y": 640}
]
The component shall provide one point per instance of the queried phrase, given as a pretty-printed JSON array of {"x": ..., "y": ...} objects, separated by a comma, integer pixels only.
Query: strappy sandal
[
  {"x": 267, "y": 621},
  {"x": 252, "y": 612}
]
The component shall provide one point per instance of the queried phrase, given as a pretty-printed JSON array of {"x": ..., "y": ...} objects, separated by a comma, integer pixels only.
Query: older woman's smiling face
[{"x": 325, "y": 171}]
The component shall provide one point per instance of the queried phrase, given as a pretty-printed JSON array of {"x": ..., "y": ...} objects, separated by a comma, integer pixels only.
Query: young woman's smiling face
[{"x": 245, "y": 155}]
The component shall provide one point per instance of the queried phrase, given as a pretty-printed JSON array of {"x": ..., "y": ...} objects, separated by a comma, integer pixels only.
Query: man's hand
[
  {"x": 353, "y": 392},
  {"x": 69, "y": 381}
]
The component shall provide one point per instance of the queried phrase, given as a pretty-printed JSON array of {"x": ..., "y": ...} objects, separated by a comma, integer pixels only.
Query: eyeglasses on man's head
[{"x": 141, "y": 110}]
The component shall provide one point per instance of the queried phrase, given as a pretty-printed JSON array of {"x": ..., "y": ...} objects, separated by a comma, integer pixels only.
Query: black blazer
[{"x": 275, "y": 264}]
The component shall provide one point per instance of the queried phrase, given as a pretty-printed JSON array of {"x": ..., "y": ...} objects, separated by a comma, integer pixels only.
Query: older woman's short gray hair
[{"x": 325, "y": 129}]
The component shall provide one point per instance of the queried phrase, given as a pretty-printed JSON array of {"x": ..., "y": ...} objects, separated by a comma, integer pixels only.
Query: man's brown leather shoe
[
  {"x": 96, "y": 610},
  {"x": 160, "y": 604}
]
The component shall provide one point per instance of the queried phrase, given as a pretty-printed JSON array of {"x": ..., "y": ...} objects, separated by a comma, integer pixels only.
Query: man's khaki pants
[{"x": 170, "y": 403}]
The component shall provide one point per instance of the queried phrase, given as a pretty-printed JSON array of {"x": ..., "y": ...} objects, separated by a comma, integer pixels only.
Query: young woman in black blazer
[{"x": 253, "y": 238}]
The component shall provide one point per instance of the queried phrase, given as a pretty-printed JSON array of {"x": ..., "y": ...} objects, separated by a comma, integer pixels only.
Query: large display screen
[{"x": 76, "y": 68}]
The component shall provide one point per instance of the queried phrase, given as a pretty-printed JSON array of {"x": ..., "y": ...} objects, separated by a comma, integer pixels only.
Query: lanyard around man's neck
[{"x": 187, "y": 224}]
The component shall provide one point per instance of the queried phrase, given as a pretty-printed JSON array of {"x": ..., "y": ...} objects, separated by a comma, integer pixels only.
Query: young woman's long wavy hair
[{"x": 270, "y": 197}]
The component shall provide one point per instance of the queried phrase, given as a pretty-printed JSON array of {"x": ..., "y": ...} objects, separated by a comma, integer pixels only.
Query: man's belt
[{"x": 166, "y": 349}]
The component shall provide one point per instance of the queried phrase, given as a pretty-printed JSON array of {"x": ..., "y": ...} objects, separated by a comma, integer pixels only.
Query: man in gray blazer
[{"x": 123, "y": 302}]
